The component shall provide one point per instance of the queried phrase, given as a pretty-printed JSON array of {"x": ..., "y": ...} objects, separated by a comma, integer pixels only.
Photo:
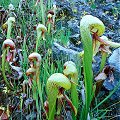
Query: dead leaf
[
  {"x": 18, "y": 69},
  {"x": 3, "y": 115},
  {"x": 101, "y": 76},
  {"x": 107, "y": 72}
]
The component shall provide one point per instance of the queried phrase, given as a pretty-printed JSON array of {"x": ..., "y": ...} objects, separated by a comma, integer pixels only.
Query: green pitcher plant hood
[
  {"x": 54, "y": 83},
  {"x": 8, "y": 43},
  {"x": 30, "y": 71},
  {"x": 94, "y": 28},
  {"x": 9, "y": 25},
  {"x": 41, "y": 29},
  {"x": 10, "y": 20},
  {"x": 69, "y": 68},
  {"x": 8, "y": 55},
  {"x": 93, "y": 24},
  {"x": 35, "y": 57},
  {"x": 90, "y": 28},
  {"x": 58, "y": 80}
]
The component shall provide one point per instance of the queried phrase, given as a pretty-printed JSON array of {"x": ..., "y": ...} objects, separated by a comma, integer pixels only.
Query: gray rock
[
  {"x": 64, "y": 7},
  {"x": 116, "y": 37},
  {"x": 74, "y": 38},
  {"x": 113, "y": 35},
  {"x": 80, "y": 1},
  {"x": 77, "y": 47},
  {"x": 96, "y": 64},
  {"x": 74, "y": 26},
  {"x": 114, "y": 59},
  {"x": 111, "y": 85},
  {"x": 68, "y": 115},
  {"x": 109, "y": 1},
  {"x": 64, "y": 54}
]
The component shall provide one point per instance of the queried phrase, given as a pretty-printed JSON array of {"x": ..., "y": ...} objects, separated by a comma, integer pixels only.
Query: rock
[
  {"x": 109, "y": 1},
  {"x": 110, "y": 34},
  {"x": 64, "y": 7},
  {"x": 117, "y": 4},
  {"x": 77, "y": 47},
  {"x": 74, "y": 38},
  {"x": 18, "y": 115},
  {"x": 107, "y": 20},
  {"x": 68, "y": 115},
  {"x": 31, "y": 116},
  {"x": 96, "y": 64},
  {"x": 65, "y": 54},
  {"x": 114, "y": 36},
  {"x": 74, "y": 27},
  {"x": 114, "y": 61},
  {"x": 111, "y": 85},
  {"x": 108, "y": 7},
  {"x": 80, "y": 1}
]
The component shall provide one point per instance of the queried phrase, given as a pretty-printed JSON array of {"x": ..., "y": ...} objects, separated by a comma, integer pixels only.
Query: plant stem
[
  {"x": 39, "y": 84},
  {"x": 21, "y": 105},
  {"x": 9, "y": 30},
  {"x": 3, "y": 69},
  {"x": 111, "y": 93},
  {"x": 7, "y": 63},
  {"x": 42, "y": 11},
  {"x": 35, "y": 95},
  {"x": 87, "y": 65},
  {"x": 49, "y": 28},
  {"x": 89, "y": 24},
  {"x": 38, "y": 41},
  {"x": 103, "y": 60},
  {"x": 52, "y": 102},
  {"x": 49, "y": 4},
  {"x": 74, "y": 95}
]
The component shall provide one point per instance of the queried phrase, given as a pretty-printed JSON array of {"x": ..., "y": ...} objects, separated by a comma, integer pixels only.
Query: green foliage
[
  {"x": 28, "y": 18},
  {"x": 87, "y": 65},
  {"x": 5, "y": 3},
  {"x": 62, "y": 36}
]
